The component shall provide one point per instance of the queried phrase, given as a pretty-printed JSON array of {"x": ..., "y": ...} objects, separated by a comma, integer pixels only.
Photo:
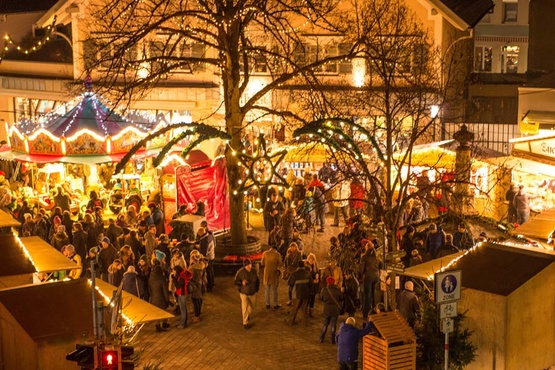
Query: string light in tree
[{"x": 260, "y": 168}]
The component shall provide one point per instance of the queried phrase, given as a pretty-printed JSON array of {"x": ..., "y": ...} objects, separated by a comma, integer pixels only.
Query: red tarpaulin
[{"x": 208, "y": 185}]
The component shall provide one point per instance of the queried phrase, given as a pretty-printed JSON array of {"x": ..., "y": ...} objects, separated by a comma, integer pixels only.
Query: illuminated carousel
[{"x": 85, "y": 130}]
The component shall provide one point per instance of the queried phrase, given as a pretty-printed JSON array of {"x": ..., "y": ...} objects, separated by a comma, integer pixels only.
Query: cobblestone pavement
[{"x": 219, "y": 341}]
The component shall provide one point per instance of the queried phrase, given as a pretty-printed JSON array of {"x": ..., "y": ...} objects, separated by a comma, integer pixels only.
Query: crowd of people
[{"x": 131, "y": 250}]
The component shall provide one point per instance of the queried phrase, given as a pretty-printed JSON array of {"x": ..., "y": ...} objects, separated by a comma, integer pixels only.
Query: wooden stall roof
[
  {"x": 393, "y": 328},
  {"x": 538, "y": 227},
  {"x": 491, "y": 267},
  {"x": 6, "y": 220},
  {"x": 49, "y": 310},
  {"x": 136, "y": 309},
  {"x": 45, "y": 257},
  {"x": 42, "y": 257},
  {"x": 423, "y": 270}
]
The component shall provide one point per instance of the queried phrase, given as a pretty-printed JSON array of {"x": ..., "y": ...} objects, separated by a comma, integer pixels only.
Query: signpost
[{"x": 446, "y": 293}]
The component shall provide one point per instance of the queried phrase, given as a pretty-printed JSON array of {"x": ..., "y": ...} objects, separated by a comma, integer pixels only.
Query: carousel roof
[
  {"x": 89, "y": 114},
  {"x": 85, "y": 130}
]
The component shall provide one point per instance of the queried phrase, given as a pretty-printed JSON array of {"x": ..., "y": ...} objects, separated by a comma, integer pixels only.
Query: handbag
[{"x": 341, "y": 308}]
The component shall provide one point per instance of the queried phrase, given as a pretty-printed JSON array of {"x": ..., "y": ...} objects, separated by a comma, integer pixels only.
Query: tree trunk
[{"x": 236, "y": 200}]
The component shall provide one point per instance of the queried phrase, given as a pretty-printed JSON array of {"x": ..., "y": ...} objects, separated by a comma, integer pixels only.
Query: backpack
[
  {"x": 191, "y": 287},
  {"x": 98, "y": 203}
]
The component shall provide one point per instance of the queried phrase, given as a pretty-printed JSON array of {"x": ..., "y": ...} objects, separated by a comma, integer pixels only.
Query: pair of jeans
[
  {"x": 181, "y": 300},
  {"x": 247, "y": 305},
  {"x": 271, "y": 290},
  {"x": 368, "y": 290},
  {"x": 340, "y": 210},
  {"x": 210, "y": 275},
  {"x": 197, "y": 306},
  {"x": 329, "y": 320}
]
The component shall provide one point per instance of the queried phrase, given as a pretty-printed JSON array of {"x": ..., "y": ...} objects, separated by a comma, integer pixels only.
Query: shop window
[
  {"x": 482, "y": 58},
  {"x": 509, "y": 59},
  {"x": 510, "y": 12}
]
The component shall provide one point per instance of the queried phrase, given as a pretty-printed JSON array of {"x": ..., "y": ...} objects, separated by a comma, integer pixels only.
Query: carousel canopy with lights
[{"x": 85, "y": 130}]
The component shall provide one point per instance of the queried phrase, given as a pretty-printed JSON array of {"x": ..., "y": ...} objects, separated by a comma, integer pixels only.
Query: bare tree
[
  {"x": 142, "y": 44},
  {"x": 393, "y": 109}
]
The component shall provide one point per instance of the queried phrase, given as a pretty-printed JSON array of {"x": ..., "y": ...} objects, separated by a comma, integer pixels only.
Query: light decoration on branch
[
  {"x": 8, "y": 41},
  {"x": 260, "y": 167},
  {"x": 201, "y": 131},
  {"x": 24, "y": 249}
]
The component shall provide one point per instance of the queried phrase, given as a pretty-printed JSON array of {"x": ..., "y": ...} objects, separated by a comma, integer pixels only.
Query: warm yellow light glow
[
  {"x": 359, "y": 72},
  {"x": 108, "y": 145},
  {"x": 26, "y": 141},
  {"x": 128, "y": 130},
  {"x": 64, "y": 149},
  {"x": 86, "y": 131}
]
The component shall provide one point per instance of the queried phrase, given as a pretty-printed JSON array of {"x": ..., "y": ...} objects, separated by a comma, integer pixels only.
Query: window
[
  {"x": 510, "y": 12},
  {"x": 482, "y": 58},
  {"x": 309, "y": 53},
  {"x": 192, "y": 50},
  {"x": 509, "y": 59}
]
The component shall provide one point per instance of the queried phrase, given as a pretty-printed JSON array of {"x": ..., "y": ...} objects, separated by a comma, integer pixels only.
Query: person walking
[
  {"x": 347, "y": 343},
  {"x": 248, "y": 284},
  {"x": 271, "y": 261},
  {"x": 300, "y": 283},
  {"x": 333, "y": 303}
]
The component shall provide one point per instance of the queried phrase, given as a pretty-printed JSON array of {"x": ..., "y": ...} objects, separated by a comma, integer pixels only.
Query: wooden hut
[{"x": 393, "y": 348}]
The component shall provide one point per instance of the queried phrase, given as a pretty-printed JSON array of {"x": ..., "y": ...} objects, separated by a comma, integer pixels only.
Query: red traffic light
[{"x": 109, "y": 359}]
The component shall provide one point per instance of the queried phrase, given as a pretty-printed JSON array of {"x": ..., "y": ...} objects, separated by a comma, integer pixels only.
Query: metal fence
[{"x": 494, "y": 136}]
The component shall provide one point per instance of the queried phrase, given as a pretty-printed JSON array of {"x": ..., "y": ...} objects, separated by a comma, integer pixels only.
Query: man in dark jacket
[
  {"x": 333, "y": 300},
  {"x": 408, "y": 303},
  {"x": 347, "y": 343},
  {"x": 370, "y": 272},
  {"x": 247, "y": 281},
  {"x": 301, "y": 283}
]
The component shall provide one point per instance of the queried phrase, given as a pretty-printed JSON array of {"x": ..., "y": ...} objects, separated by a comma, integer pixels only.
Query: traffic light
[
  {"x": 109, "y": 359},
  {"x": 84, "y": 355},
  {"x": 126, "y": 356}
]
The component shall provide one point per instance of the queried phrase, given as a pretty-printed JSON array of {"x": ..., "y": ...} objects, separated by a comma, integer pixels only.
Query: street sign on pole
[
  {"x": 447, "y": 310},
  {"x": 396, "y": 267},
  {"x": 447, "y": 286},
  {"x": 447, "y": 325}
]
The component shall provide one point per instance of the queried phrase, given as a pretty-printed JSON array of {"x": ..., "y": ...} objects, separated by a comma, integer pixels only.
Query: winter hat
[
  {"x": 330, "y": 280},
  {"x": 159, "y": 255},
  {"x": 246, "y": 262},
  {"x": 106, "y": 240},
  {"x": 131, "y": 269},
  {"x": 94, "y": 250}
]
